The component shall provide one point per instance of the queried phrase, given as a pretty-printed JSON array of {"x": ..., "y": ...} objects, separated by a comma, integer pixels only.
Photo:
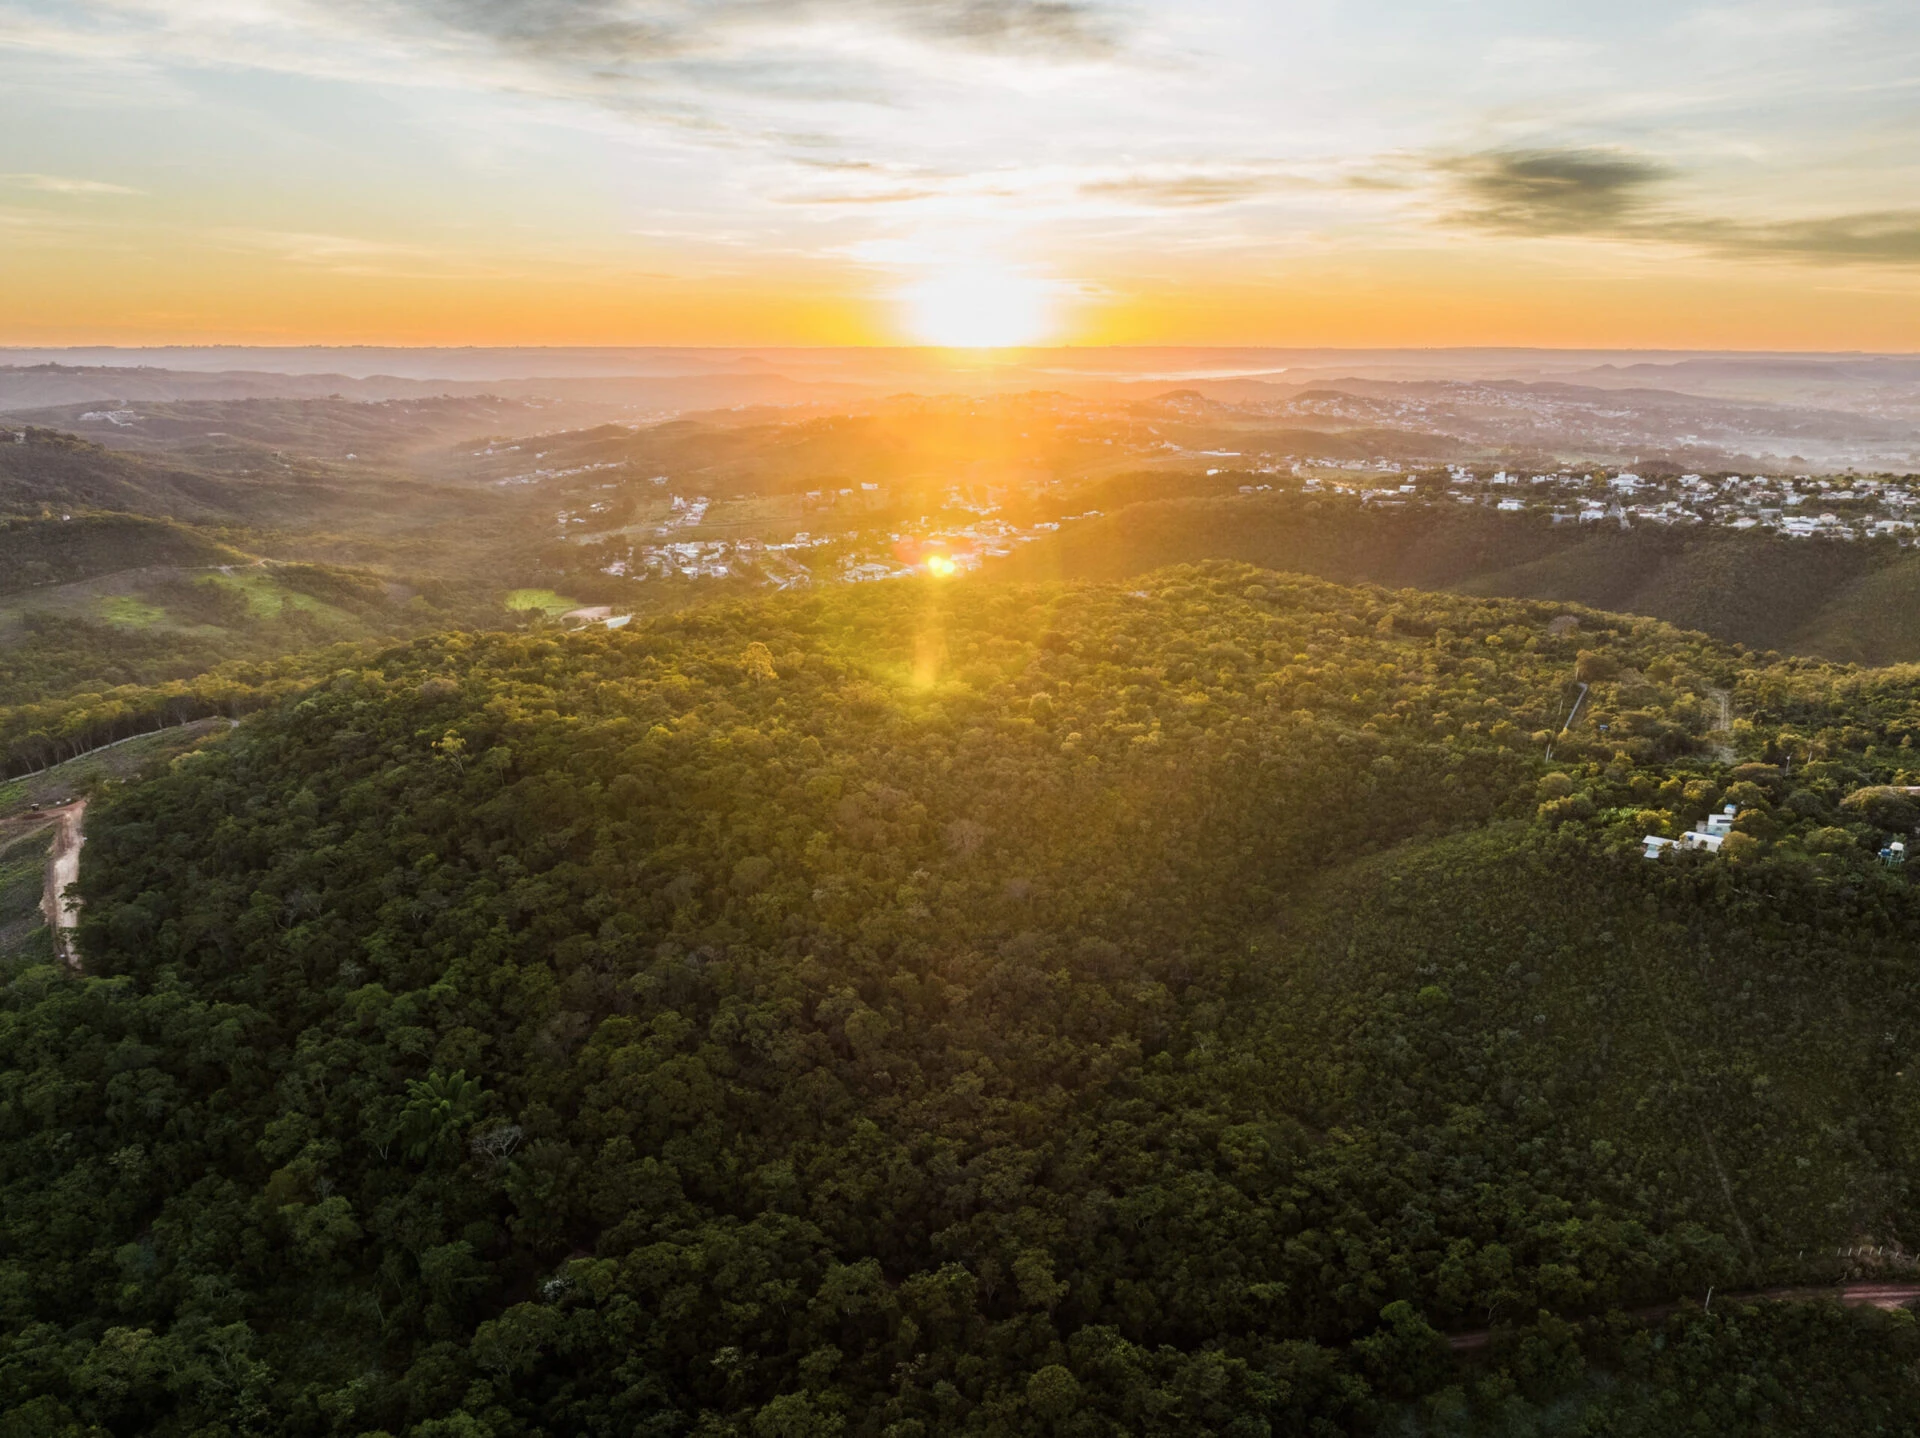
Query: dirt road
[
  {"x": 1723, "y": 749},
  {"x": 1848, "y": 1295},
  {"x": 63, "y": 867}
]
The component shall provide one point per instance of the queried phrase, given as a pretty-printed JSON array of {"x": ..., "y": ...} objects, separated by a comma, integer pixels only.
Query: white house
[{"x": 1708, "y": 836}]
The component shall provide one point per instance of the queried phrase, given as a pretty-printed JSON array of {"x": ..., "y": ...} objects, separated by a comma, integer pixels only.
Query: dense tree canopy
[{"x": 974, "y": 1009}]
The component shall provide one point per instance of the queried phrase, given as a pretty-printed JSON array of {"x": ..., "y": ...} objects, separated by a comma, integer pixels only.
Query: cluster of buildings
[
  {"x": 1712, "y": 833},
  {"x": 536, "y": 476},
  {"x": 1800, "y": 507},
  {"x": 1708, "y": 835},
  {"x": 849, "y": 555}
]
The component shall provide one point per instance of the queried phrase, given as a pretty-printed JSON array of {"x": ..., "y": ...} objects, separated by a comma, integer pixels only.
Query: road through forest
[{"x": 63, "y": 867}]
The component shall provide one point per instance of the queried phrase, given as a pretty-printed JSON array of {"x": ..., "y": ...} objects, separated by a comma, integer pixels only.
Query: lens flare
[{"x": 940, "y": 566}]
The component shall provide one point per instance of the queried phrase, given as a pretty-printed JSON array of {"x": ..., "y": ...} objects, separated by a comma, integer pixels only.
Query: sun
[{"x": 979, "y": 307}]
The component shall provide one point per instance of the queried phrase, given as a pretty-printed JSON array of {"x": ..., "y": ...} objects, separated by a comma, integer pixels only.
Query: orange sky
[{"x": 832, "y": 172}]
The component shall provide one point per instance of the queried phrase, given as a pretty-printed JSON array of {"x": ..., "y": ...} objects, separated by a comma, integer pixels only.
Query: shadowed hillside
[
  {"x": 34, "y": 553},
  {"x": 1843, "y": 601}
]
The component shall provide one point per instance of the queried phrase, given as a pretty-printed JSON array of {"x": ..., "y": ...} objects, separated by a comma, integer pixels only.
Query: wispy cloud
[
  {"x": 355, "y": 255},
  {"x": 675, "y": 59},
  {"x": 1885, "y": 237},
  {"x": 874, "y": 197},
  {"x": 65, "y": 185},
  {"x": 1198, "y": 189},
  {"x": 753, "y": 74},
  {"x": 600, "y": 33}
]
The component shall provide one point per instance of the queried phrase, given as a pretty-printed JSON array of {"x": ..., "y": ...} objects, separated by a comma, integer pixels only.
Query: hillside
[
  {"x": 917, "y": 1009},
  {"x": 297, "y": 504},
  {"x": 98, "y": 659},
  {"x": 127, "y": 571},
  {"x": 34, "y": 553},
  {"x": 1839, "y": 601},
  {"x": 234, "y": 435},
  {"x": 44, "y": 471}
]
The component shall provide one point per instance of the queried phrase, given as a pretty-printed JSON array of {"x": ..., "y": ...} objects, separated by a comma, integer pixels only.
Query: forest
[{"x": 1171, "y": 1006}]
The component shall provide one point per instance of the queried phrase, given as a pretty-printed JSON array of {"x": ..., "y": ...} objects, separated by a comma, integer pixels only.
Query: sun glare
[
  {"x": 941, "y": 565},
  {"x": 979, "y": 307}
]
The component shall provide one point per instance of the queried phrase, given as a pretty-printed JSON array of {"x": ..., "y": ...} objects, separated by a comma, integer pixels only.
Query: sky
[{"x": 765, "y": 172}]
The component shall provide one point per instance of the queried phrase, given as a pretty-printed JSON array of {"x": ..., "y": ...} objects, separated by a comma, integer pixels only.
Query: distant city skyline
[{"x": 966, "y": 172}]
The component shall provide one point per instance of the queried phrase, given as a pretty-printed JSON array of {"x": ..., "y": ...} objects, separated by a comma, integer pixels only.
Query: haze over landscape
[{"x": 888, "y": 718}]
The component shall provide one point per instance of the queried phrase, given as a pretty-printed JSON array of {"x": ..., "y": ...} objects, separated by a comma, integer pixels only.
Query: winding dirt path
[
  {"x": 1849, "y": 1295},
  {"x": 63, "y": 867},
  {"x": 1723, "y": 750}
]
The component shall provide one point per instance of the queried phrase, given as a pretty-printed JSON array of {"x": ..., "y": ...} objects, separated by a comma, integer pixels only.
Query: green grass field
[
  {"x": 545, "y": 600},
  {"x": 267, "y": 599},
  {"x": 124, "y": 609}
]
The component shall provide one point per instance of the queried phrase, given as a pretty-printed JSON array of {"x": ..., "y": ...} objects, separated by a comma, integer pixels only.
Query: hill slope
[
  {"x": 924, "y": 1010},
  {"x": 1840, "y": 601},
  {"x": 34, "y": 553}
]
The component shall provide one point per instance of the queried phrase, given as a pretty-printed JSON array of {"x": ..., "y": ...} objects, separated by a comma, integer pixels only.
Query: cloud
[
  {"x": 1057, "y": 28},
  {"x": 1611, "y": 194},
  {"x": 1881, "y": 237},
  {"x": 870, "y": 197},
  {"x": 731, "y": 71},
  {"x": 354, "y": 255},
  {"x": 63, "y": 185},
  {"x": 1552, "y": 192},
  {"x": 604, "y": 44},
  {"x": 1187, "y": 191}
]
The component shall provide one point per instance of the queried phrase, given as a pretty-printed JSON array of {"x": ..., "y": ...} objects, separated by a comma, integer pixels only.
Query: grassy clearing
[
  {"x": 125, "y": 610},
  {"x": 269, "y": 600},
  {"x": 545, "y": 600}
]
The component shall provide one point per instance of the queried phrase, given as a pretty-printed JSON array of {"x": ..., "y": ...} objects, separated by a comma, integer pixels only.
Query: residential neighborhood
[{"x": 1798, "y": 507}]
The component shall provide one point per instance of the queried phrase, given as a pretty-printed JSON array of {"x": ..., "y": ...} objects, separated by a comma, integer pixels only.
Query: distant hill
[
  {"x": 356, "y": 511},
  {"x": 43, "y": 386},
  {"x": 45, "y": 470},
  {"x": 230, "y": 434},
  {"x": 46, "y": 386},
  {"x": 1852, "y": 602}
]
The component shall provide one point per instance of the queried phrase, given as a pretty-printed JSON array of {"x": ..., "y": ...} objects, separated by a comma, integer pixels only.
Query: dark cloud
[
  {"x": 1885, "y": 237},
  {"x": 1612, "y": 194},
  {"x": 1552, "y": 192}
]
